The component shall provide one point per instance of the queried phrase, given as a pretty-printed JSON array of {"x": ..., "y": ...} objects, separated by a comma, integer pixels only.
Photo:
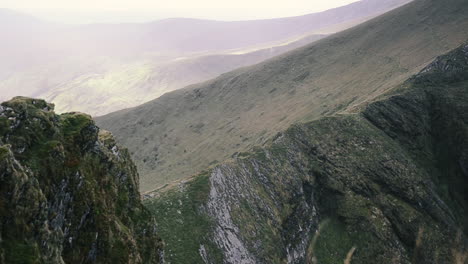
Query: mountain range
[
  {"x": 100, "y": 68},
  {"x": 349, "y": 147}
]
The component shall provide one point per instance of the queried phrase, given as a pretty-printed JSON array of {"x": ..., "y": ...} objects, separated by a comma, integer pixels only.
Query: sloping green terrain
[
  {"x": 387, "y": 184},
  {"x": 184, "y": 132},
  {"x": 68, "y": 193}
]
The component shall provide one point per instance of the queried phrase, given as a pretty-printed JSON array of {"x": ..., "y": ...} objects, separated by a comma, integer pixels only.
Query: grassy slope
[{"x": 185, "y": 131}]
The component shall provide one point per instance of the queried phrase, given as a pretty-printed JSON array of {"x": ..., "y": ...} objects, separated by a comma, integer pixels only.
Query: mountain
[
  {"x": 386, "y": 184},
  {"x": 352, "y": 149},
  {"x": 17, "y": 18},
  {"x": 198, "y": 35},
  {"x": 183, "y": 35},
  {"x": 68, "y": 193},
  {"x": 100, "y": 68},
  {"x": 185, "y": 131}
]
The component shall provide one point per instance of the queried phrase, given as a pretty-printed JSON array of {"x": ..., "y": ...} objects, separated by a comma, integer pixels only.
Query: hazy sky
[{"x": 87, "y": 11}]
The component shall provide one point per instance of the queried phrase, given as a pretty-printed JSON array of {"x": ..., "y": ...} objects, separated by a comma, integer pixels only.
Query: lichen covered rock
[{"x": 68, "y": 193}]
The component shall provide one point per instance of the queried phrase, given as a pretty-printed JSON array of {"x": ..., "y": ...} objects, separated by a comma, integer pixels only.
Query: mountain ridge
[
  {"x": 387, "y": 184},
  {"x": 188, "y": 130}
]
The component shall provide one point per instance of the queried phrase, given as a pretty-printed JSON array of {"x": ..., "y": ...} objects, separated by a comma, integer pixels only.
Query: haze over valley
[{"x": 100, "y": 68}]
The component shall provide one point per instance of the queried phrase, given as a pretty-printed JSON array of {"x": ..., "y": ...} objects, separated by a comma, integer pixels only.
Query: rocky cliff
[
  {"x": 68, "y": 193},
  {"x": 387, "y": 184}
]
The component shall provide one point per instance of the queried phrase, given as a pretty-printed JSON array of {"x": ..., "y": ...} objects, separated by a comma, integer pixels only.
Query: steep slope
[
  {"x": 183, "y": 132},
  {"x": 116, "y": 66},
  {"x": 68, "y": 193},
  {"x": 385, "y": 185}
]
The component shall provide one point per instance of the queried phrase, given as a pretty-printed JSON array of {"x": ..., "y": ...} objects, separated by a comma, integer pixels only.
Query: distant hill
[
  {"x": 115, "y": 66},
  {"x": 204, "y": 35},
  {"x": 132, "y": 84},
  {"x": 182, "y": 35},
  {"x": 18, "y": 18},
  {"x": 188, "y": 130}
]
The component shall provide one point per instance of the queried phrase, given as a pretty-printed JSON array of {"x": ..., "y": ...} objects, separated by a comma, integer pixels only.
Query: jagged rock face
[
  {"x": 386, "y": 185},
  {"x": 68, "y": 193}
]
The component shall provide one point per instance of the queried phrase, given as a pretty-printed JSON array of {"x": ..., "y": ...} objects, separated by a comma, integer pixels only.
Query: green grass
[
  {"x": 4, "y": 125},
  {"x": 182, "y": 225},
  {"x": 3, "y": 152},
  {"x": 18, "y": 252},
  {"x": 72, "y": 124},
  {"x": 333, "y": 243}
]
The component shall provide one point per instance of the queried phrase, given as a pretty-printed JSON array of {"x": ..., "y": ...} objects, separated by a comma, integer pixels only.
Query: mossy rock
[
  {"x": 74, "y": 196},
  {"x": 4, "y": 152},
  {"x": 74, "y": 123},
  {"x": 19, "y": 252}
]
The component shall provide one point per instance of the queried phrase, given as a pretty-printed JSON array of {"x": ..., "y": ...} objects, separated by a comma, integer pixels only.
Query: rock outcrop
[
  {"x": 387, "y": 184},
  {"x": 68, "y": 193}
]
